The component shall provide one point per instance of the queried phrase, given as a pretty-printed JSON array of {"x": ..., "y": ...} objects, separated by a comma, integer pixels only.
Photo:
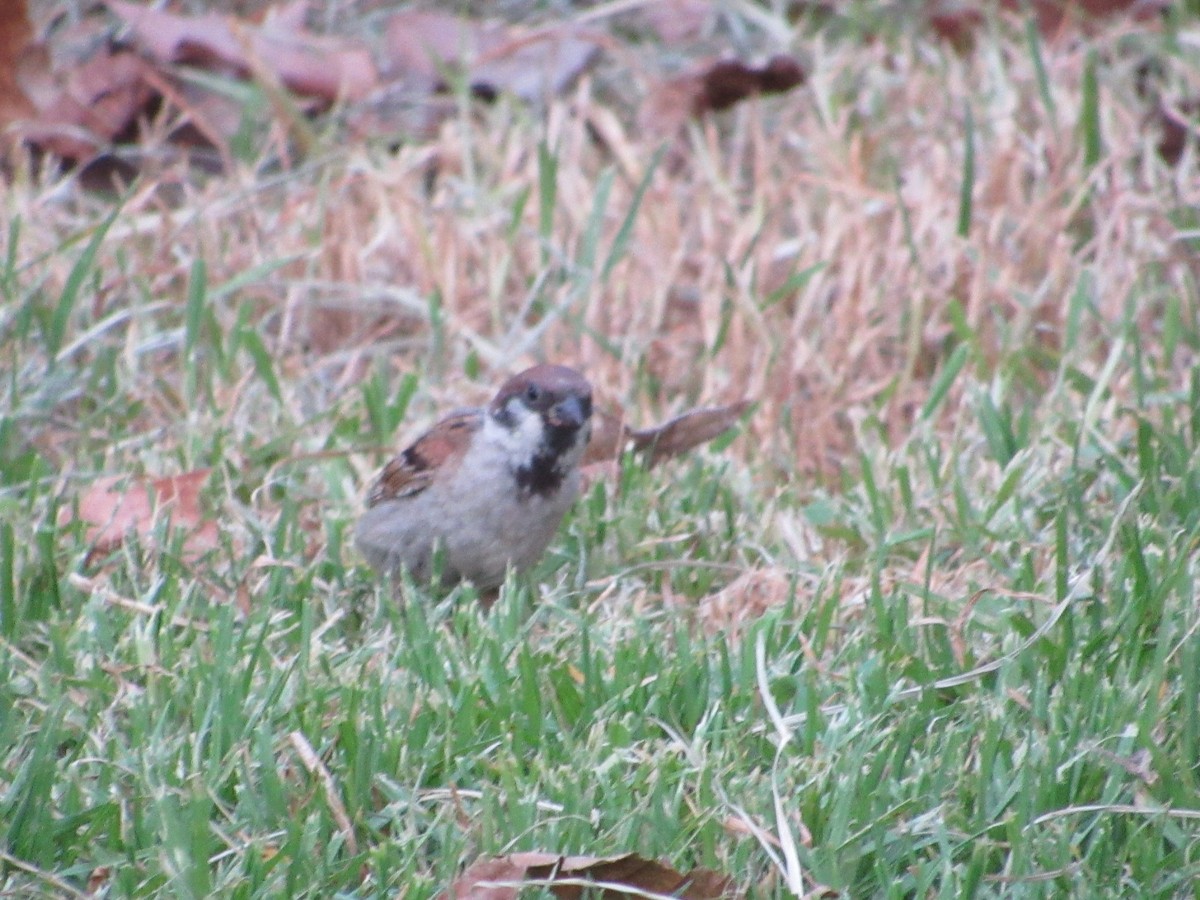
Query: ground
[{"x": 925, "y": 625}]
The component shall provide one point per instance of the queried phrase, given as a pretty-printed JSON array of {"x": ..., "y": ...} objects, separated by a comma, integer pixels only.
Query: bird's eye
[{"x": 533, "y": 393}]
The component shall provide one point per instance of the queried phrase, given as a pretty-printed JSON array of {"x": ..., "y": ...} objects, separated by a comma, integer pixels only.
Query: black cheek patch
[
  {"x": 560, "y": 438},
  {"x": 504, "y": 417},
  {"x": 544, "y": 474}
]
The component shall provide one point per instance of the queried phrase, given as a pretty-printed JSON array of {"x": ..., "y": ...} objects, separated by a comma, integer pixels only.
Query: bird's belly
[
  {"x": 480, "y": 532},
  {"x": 509, "y": 530}
]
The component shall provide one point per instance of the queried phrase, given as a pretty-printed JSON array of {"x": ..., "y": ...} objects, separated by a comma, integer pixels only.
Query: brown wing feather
[{"x": 414, "y": 469}]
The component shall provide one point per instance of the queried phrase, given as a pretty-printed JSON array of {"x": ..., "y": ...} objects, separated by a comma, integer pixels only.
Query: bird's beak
[{"x": 569, "y": 413}]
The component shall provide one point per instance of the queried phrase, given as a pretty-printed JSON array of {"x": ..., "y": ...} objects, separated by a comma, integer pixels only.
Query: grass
[{"x": 928, "y": 627}]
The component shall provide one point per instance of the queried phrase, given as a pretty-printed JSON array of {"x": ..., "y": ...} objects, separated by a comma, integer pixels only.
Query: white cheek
[{"x": 523, "y": 440}]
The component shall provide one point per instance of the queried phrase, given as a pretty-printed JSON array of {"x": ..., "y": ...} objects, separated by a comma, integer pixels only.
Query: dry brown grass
[
  {"x": 743, "y": 202},
  {"x": 859, "y": 174}
]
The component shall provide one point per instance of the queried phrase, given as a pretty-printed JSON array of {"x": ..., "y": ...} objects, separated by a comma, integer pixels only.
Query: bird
[{"x": 488, "y": 486}]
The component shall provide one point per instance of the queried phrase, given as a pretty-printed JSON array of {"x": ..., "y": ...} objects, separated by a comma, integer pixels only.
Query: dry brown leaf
[
  {"x": 494, "y": 57},
  {"x": 731, "y": 81},
  {"x": 716, "y": 86},
  {"x": 611, "y": 436},
  {"x": 74, "y": 111},
  {"x": 954, "y": 22},
  {"x": 117, "y": 506},
  {"x": 501, "y": 878},
  {"x": 312, "y": 65},
  {"x": 34, "y": 70},
  {"x": 957, "y": 21},
  {"x": 684, "y": 432},
  {"x": 1054, "y": 15},
  {"x": 745, "y": 599},
  {"x": 92, "y": 105},
  {"x": 1177, "y": 124},
  {"x": 420, "y": 43},
  {"x": 98, "y": 880},
  {"x": 16, "y": 41}
]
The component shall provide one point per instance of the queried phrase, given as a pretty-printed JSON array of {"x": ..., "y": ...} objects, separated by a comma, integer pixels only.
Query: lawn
[{"x": 925, "y": 624}]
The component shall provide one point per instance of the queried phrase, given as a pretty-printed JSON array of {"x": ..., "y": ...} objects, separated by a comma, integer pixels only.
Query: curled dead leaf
[
  {"x": 116, "y": 507},
  {"x": 90, "y": 106},
  {"x": 1178, "y": 123},
  {"x": 714, "y": 87},
  {"x": 329, "y": 68},
  {"x": 98, "y": 880},
  {"x": 745, "y": 599},
  {"x": 16, "y": 44},
  {"x": 1054, "y": 16},
  {"x": 611, "y": 436},
  {"x": 74, "y": 111},
  {"x": 494, "y": 58},
  {"x": 503, "y": 877},
  {"x": 730, "y": 81},
  {"x": 685, "y": 432}
]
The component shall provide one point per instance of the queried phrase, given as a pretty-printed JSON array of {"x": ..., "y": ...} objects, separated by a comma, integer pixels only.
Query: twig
[{"x": 313, "y": 763}]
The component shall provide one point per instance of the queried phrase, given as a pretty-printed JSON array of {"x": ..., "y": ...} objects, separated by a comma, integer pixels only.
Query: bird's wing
[{"x": 438, "y": 450}]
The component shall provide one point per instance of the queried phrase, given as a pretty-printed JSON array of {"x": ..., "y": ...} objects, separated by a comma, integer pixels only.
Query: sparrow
[{"x": 488, "y": 486}]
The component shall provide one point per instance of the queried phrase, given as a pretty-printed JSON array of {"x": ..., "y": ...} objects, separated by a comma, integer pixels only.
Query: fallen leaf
[
  {"x": 730, "y": 81},
  {"x": 422, "y": 43},
  {"x": 91, "y": 106},
  {"x": 16, "y": 41},
  {"x": 1054, "y": 15},
  {"x": 611, "y": 436},
  {"x": 311, "y": 65},
  {"x": 493, "y": 57},
  {"x": 34, "y": 71},
  {"x": 98, "y": 880},
  {"x": 1177, "y": 124},
  {"x": 501, "y": 878},
  {"x": 714, "y": 87},
  {"x": 693, "y": 428},
  {"x": 536, "y": 66},
  {"x": 73, "y": 109},
  {"x": 955, "y": 22},
  {"x": 118, "y": 506},
  {"x": 746, "y": 599}
]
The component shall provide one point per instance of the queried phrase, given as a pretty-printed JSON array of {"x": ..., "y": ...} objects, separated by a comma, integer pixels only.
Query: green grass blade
[
  {"x": 8, "y": 584},
  {"x": 547, "y": 197},
  {"x": 621, "y": 241},
  {"x": 967, "y": 188},
  {"x": 264, "y": 363},
  {"x": 194, "y": 318},
  {"x": 945, "y": 379},
  {"x": 8, "y": 279},
  {"x": 589, "y": 241},
  {"x": 794, "y": 282},
  {"x": 1089, "y": 114},
  {"x": 252, "y": 275},
  {"x": 1033, "y": 41},
  {"x": 57, "y": 327}
]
